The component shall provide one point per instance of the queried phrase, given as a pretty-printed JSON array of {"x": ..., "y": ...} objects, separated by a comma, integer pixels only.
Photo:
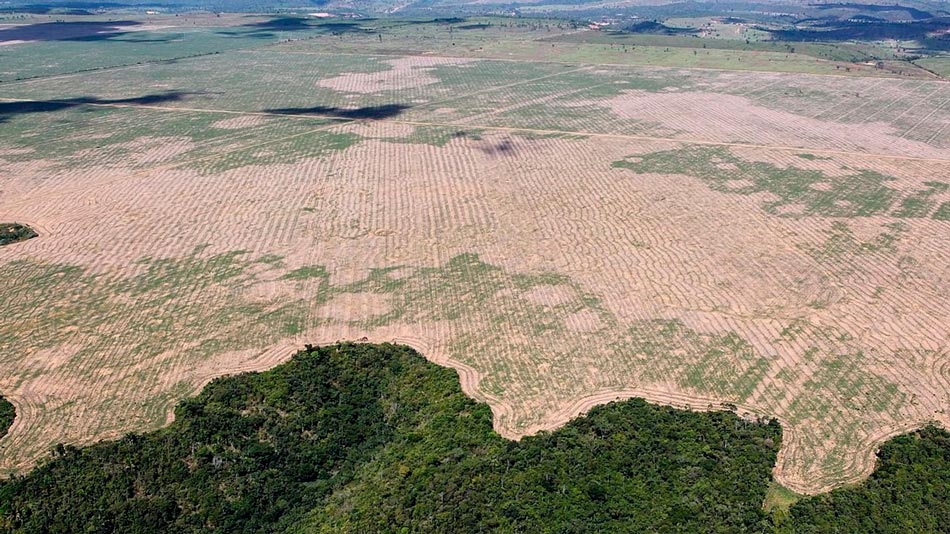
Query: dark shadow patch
[
  {"x": 369, "y": 112},
  {"x": 268, "y": 29},
  {"x": 657, "y": 28},
  {"x": 914, "y": 13},
  {"x": 284, "y": 24},
  {"x": 68, "y": 31},
  {"x": 480, "y": 26},
  {"x": 930, "y": 33},
  {"x": 22, "y": 107},
  {"x": 503, "y": 148}
]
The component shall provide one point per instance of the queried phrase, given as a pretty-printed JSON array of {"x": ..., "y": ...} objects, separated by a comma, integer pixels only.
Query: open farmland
[{"x": 563, "y": 233}]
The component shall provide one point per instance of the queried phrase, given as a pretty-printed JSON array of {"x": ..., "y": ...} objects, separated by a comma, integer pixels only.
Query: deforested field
[{"x": 563, "y": 233}]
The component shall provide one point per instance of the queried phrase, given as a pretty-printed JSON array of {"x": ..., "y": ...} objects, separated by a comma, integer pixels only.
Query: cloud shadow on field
[
  {"x": 71, "y": 31},
  {"x": 385, "y": 111},
  {"x": 23, "y": 107},
  {"x": 268, "y": 29},
  {"x": 930, "y": 33},
  {"x": 502, "y": 148}
]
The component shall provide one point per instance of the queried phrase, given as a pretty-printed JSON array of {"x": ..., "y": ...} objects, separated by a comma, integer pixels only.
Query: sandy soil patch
[
  {"x": 583, "y": 321},
  {"x": 406, "y": 73},
  {"x": 548, "y": 295},
  {"x": 155, "y": 149},
  {"x": 355, "y": 307},
  {"x": 730, "y": 118},
  {"x": 739, "y": 184},
  {"x": 240, "y": 122}
]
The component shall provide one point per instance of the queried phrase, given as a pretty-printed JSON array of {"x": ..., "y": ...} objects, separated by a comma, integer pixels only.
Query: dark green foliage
[
  {"x": 367, "y": 438},
  {"x": 7, "y": 414},
  {"x": 13, "y": 232},
  {"x": 908, "y": 492}
]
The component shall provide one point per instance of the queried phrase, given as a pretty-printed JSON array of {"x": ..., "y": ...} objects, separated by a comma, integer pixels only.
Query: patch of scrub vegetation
[
  {"x": 843, "y": 381},
  {"x": 436, "y": 136},
  {"x": 943, "y": 212},
  {"x": 152, "y": 320},
  {"x": 908, "y": 492},
  {"x": 921, "y": 203},
  {"x": 364, "y": 438},
  {"x": 306, "y": 272},
  {"x": 7, "y": 415},
  {"x": 15, "y": 232},
  {"x": 537, "y": 136},
  {"x": 290, "y": 149},
  {"x": 725, "y": 365},
  {"x": 811, "y": 157},
  {"x": 88, "y": 136},
  {"x": 841, "y": 242},
  {"x": 798, "y": 192},
  {"x": 96, "y": 135}
]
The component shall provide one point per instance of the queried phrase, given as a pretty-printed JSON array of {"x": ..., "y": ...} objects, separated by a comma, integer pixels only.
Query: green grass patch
[
  {"x": 778, "y": 500},
  {"x": 799, "y": 192},
  {"x": 307, "y": 272}
]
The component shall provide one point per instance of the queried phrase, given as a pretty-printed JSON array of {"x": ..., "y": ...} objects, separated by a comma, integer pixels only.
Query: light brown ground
[
  {"x": 406, "y": 73},
  {"x": 731, "y": 118},
  {"x": 591, "y": 283}
]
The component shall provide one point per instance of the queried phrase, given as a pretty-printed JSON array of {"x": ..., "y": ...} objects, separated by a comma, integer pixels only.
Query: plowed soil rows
[{"x": 720, "y": 252}]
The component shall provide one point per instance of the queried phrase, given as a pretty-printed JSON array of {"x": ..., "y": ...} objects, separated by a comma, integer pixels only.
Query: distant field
[
  {"x": 38, "y": 45},
  {"x": 563, "y": 228},
  {"x": 940, "y": 65}
]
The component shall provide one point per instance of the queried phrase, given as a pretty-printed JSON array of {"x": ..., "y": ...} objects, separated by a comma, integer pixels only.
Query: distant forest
[{"x": 373, "y": 438}]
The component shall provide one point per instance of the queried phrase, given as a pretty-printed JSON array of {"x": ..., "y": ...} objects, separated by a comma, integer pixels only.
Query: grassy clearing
[
  {"x": 778, "y": 499},
  {"x": 939, "y": 65}
]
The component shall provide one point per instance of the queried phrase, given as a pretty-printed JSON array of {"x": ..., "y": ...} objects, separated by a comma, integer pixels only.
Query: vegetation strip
[{"x": 14, "y": 232}]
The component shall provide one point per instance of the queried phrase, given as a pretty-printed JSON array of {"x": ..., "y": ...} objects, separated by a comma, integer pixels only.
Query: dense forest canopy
[
  {"x": 373, "y": 438},
  {"x": 7, "y": 414}
]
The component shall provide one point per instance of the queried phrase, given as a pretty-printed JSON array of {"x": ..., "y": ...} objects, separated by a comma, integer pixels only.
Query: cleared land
[{"x": 561, "y": 233}]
